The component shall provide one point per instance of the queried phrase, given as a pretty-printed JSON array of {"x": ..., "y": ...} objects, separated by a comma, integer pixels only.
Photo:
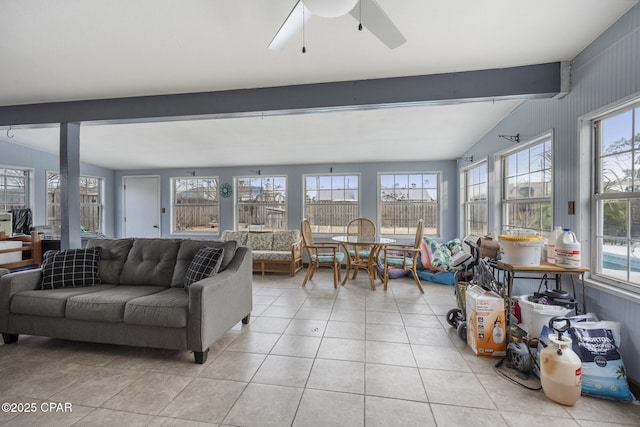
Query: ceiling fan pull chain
[
  {"x": 304, "y": 49},
  {"x": 360, "y": 10}
]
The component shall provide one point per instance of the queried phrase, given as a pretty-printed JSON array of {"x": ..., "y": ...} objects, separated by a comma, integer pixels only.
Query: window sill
[
  {"x": 613, "y": 290},
  {"x": 180, "y": 234}
]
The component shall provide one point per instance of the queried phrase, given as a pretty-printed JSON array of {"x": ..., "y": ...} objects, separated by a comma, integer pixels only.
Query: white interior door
[{"x": 141, "y": 206}]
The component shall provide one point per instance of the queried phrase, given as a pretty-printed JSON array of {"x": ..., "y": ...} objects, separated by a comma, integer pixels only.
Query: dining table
[{"x": 369, "y": 263}]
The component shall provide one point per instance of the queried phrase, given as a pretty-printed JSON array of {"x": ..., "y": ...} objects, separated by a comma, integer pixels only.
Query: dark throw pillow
[
  {"x": 206, "y": 263},
  {"x": 70, "y": 268}
]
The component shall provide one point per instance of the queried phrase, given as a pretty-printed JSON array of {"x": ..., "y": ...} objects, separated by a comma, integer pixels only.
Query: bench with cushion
[{"x": 273, "y": 252}]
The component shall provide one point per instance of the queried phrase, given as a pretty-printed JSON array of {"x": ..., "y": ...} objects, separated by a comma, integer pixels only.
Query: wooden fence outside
[
  {"x": 90, "y": 216},
  {"x": 262, "y": 216},
  {"x": 197, "y": 218},
  {"x": 334, "y": 217}
]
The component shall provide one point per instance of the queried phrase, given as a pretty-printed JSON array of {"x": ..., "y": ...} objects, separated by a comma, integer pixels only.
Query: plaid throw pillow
[
  {"x": 70, "y": 268},
  {"x": 206, "y": 263}
]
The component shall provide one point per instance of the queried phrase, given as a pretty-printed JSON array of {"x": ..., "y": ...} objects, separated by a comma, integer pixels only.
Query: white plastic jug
[
  {"x": 560, "y": 367},
  {"x": 551, "y": 245},
  {"x": 567, "y": 250}
]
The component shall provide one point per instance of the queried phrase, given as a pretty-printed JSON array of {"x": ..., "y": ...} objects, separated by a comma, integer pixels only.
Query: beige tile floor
[{"x": 311, "y": 356}]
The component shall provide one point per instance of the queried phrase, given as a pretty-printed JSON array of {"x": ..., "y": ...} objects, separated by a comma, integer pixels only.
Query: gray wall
[
  {"x": 604, "y": 73},
  {"x": 41, "y": 162},
  {"x": 368, "y": 189}
]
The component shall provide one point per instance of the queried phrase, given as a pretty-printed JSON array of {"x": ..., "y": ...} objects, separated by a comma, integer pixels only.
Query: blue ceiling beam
[{"x": 524, "y": 82}]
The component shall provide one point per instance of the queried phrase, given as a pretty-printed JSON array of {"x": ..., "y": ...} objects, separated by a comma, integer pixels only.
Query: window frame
[
  {"x": 100, "y": 204},
  {"x": 239, "y": 204},
  {"x": 467, "y": 204},
  {"x": 597, "y": 197},
  {"x": 215, "y": 204},
  {"x": 27, "y": 188},
  {"x": 347, "y": 218},
  {"x": 410, "y": 227},
  {"x": 502, "y": 176}
]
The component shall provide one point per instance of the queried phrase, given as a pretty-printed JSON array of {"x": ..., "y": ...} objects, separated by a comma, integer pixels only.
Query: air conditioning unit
[{"x": 6, "y": 224}]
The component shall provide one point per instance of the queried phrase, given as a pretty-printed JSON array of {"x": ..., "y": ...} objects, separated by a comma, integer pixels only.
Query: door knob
[{"x": 155, "y": 226}]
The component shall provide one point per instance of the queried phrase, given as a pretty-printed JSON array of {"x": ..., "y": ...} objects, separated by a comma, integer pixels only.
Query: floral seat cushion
[{"x": 436, "y": 256}]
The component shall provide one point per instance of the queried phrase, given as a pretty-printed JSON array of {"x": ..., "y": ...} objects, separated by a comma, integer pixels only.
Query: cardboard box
[{"x": 486, "y": 330}]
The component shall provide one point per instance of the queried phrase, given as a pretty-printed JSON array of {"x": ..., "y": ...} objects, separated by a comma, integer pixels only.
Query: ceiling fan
[{"x": 368, "y": 12}]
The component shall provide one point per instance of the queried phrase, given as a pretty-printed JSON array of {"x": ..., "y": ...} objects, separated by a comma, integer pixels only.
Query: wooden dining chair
[
  {"x": 321, "y": 254},
  {"x": 395, "y": 255},
  {"x": 359, "y": 255}
]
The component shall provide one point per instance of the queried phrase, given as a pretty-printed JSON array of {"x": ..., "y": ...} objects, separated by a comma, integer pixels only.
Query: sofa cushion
[
  {"x": 150, "y": 262},
  {"x": 167, "y": 309},
  {"x": 260, "y": 241},
  {"x": 206, "y": 263},
  {"x": 271, "y": 255},
  {"x": 48, "y": 302},
  {"x": 70, "y": 268},
  {"x": 282, "y": 240},
  {"x": 107, "y": 305},
  {"x": 188, "y": 250},
  {"x": 112, "y": 257},
  {"x": 238, "y": 236}
]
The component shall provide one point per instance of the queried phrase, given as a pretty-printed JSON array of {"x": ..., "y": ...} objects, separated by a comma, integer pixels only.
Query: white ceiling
[{"x": 64, "y": 50}]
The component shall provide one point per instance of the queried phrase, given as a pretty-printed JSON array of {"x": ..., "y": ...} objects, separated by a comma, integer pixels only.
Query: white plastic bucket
[
  {"x": 521, "y": 252},
  {"x": 567, "y": 250},
  {"x": 535, "y": 315},
  {"x": 12, "y": 256}
]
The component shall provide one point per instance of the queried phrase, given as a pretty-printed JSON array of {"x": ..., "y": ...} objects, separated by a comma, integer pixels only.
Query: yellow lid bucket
[{"x": 521, "y": 249}]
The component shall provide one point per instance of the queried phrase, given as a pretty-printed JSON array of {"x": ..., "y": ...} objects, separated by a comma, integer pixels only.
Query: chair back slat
[
  {"x": 419, "y": 234},
  {"x": 307, "y": 235},
  {"x": 362, "y": 228}
]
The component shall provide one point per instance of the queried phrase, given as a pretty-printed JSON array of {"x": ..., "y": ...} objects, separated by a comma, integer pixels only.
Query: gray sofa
[{"x": 141, "y": 300}]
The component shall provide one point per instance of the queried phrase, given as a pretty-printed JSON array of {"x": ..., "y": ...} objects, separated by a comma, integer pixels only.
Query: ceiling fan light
[{"x": 330, "y": 8}]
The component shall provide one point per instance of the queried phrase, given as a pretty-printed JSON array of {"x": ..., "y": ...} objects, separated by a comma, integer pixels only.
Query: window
[
  {"x": 406, "y": 198},
  {"x": 195, "y": 205},
  {"x": 527, "y": 187},
  {"x": 617, "y": 197},
  {"x": 331, "y": 201},
  {"x": 261, "y": 203},
  {"x": 91, "y": 203},
  {"x": 14, "y": 189},
  {"x": 475, "y": 200}
]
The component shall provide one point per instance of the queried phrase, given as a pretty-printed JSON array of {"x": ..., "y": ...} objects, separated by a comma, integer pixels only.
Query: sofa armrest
[
  {"x": 11, "y": 284},
  {"x": 217, "y": 303}
]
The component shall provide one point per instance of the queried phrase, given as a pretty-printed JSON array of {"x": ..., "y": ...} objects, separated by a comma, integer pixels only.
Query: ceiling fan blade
[
  {"x": 378, "y": 22},
  {"x": 291, "y": 26}
]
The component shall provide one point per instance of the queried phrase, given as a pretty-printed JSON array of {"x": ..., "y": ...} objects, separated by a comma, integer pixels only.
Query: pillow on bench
[
  {"x": 282, "y": 240},
  {"x": 260, "y": 241}
]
